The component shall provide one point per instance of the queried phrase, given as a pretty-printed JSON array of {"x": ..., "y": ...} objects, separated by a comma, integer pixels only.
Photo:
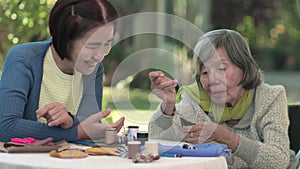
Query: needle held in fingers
[{"x": 156, "y": 74}]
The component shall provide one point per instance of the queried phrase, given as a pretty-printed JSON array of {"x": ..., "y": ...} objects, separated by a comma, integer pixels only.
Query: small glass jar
[
  {"x": 132, "y": 133},
  {"x": 151, "y": 148},
  {"x": 134, "y": 147},
  {"x": 110, "y": 135},
  {"x": 142, "y": 136}
]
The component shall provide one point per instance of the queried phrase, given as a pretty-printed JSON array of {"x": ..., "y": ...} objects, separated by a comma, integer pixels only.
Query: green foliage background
[
  {"x": 271, "y": 27},
  {"x": 22, "y": 21}
]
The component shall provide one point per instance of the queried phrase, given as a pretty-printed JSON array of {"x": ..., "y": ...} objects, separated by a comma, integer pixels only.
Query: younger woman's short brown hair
[{"x": 71, "y": 19}]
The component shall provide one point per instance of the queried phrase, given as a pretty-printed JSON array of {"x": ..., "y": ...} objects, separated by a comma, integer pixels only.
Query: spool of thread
[
  {"x": 133, "y": 148},
  {"x": 132, "y": 133},
  {"x": 142, "y": 136},
  {"x": 110, "y": 135},
  {"x": 151, "y": 147}
]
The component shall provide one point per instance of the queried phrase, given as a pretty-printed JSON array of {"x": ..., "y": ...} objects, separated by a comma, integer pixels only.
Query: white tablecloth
[{"x": 45, "y": 161}]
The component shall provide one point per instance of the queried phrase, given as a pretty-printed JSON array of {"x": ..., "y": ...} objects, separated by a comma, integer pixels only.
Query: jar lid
[
  {"x": 133, "y": 127},
  {"x": 142, "y": 134}
]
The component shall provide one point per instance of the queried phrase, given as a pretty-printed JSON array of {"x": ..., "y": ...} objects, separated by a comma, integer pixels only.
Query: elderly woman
[{"x": 229, "y": 104}]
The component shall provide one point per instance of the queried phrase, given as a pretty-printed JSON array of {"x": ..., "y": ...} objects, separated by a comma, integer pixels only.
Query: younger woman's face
[{"x": 91, "y": 49}]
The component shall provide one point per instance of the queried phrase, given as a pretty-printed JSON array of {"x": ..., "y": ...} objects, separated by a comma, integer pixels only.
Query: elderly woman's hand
[
  {"x": 204, "y": 132},
  {"x": 164, "y": 88},
  {"x": 56, "y": 115}
]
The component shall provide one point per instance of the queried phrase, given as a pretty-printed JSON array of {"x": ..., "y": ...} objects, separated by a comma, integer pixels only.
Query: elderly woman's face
[{"x": 220, "y": 78}]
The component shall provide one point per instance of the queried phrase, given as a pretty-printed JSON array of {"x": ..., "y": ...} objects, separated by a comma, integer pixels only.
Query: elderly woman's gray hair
[{"x": 237, "y": 49}]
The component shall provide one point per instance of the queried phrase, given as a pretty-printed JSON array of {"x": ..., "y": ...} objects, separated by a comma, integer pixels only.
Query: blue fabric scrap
[{"x": 198, "y": 150}]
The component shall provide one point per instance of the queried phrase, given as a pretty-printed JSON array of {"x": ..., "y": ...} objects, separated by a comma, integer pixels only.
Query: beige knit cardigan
[{"x": 264, "y": 141}]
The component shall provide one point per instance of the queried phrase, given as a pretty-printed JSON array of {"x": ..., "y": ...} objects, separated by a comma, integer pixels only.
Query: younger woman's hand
[
  {"x": 56, "y": 115},
  {"x": 91, "y": 128}
]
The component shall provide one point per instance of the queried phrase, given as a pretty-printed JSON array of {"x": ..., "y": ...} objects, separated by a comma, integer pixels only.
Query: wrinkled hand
[
  {"x": 205, "y": 132},
  {"x": 90, "y": 128},
  {"x": 164, "y": 88},
  {"x": 56, "y": 115},
  {"x": 202, "y": 132}
]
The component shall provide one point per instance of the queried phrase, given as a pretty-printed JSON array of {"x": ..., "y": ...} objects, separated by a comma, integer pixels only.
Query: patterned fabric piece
[
  {"x": 101, "y": 151},
  {"x": 68, "y": 153}
]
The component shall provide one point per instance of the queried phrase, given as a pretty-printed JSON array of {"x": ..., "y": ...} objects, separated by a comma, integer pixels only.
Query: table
[{"x": 45, "y": 161}]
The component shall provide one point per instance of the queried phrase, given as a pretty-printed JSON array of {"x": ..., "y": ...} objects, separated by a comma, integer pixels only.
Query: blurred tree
[
  {"x": 286, "y": 36},
  {"x": 22, "y": 21},
  {"x": 271, "y": 28}
]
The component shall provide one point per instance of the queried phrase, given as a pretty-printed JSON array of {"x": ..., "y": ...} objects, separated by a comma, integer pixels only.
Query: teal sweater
[{"x": 20, "y": 92}]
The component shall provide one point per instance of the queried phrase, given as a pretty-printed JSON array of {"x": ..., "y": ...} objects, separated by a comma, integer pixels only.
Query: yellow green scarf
[{"x": 220, "y": 113}]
